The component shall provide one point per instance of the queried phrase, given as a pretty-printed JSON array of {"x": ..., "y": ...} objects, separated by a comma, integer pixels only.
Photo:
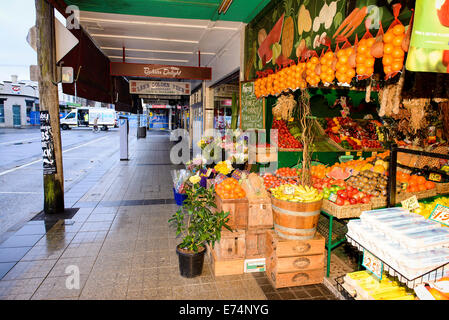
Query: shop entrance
[{"x": 16, "y": 115}]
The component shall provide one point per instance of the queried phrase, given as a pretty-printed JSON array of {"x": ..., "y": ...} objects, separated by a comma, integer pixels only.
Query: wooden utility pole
[{"x": 49, "y": 107}]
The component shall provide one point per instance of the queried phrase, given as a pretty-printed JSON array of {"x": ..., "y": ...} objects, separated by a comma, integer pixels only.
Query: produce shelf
[
  {"x": 340, "y": 280},
  {"x": 431, "y": 275}
]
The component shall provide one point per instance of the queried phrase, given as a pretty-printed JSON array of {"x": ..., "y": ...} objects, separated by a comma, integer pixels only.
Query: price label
[
  {"x": 291, "y": 120},
  {"x": 435, "y": 177},
  {"x": 374, "y": 154},
  {"x": 373, "y": 264},
  {"x": 440, "y": 214},
  {"x": 359, "y": 153},
  {"x": 289, "y": 190},
  {"x": 348, "y": 153},
  {"x": 333, "y": 197},
  {"x": 411, "y": 203},
  {"x": 209, "y": 171}
]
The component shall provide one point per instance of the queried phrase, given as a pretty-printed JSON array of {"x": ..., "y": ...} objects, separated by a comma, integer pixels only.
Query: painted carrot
[
  {"x": 346, "y": 21},
  {"x": 358, "y": 19}
]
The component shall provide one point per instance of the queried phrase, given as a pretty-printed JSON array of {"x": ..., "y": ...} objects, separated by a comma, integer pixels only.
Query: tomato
[{"x": 339, "y": 201}]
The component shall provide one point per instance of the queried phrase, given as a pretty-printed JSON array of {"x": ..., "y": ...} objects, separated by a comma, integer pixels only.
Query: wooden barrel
[{"x": 295, "y": 220}]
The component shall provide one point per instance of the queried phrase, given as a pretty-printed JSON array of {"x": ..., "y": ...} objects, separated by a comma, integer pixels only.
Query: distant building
[{"x": 19, "y": 103}]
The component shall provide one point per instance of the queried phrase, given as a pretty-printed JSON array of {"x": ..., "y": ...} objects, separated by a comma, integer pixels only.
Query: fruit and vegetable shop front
[
  {"x": 358, "y": 172},
  {"x": 347, "y": 186}
]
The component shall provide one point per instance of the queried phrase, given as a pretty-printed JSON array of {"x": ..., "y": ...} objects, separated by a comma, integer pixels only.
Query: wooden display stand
[
  {"x": 260, "y": 214},
  {"x": 225, "y": 267},
  {"x": 231, "y": 246},
  {"x": 256, "y": 243},
  {"x": 292, "y": 263}
]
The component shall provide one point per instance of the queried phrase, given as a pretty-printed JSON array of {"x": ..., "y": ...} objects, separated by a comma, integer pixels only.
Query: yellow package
[{"x": 392, "y": 295}]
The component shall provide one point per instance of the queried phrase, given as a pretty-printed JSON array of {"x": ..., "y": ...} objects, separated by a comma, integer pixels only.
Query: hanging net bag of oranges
[
  {"x": 365, "y": 60},
  {"x": 346, "y": 63},
  {"x": 312, "y": 78},
  {"x": 393, "y": 59},
  {"x": 328, "y": 63}
]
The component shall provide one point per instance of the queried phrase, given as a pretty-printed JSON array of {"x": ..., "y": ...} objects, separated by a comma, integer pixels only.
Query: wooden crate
[
  {"x": 238, "y": 211},
  {"x": 255, "y": 243},
  {"x": 293, "y": 248},
  {"x": 232, "y": 245},
  {"x": 260, "y": 214},
  {"x": 225, "y": 267},
  {"x": 292, "y": 263}
]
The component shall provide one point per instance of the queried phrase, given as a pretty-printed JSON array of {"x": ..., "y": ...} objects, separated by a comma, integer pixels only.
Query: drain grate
[{"x": 66, "y": 215}]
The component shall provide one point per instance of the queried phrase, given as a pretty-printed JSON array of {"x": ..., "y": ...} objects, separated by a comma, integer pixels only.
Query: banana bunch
[{"x": 294, "y": 193}]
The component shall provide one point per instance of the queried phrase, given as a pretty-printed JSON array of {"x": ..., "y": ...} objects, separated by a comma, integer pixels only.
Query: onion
[{"x": 377, "y": 50}]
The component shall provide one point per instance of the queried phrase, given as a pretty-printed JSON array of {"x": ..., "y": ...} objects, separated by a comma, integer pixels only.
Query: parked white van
[{"x": 85, "y": 117}]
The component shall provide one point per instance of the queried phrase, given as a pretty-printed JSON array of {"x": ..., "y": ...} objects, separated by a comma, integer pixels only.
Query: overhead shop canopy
[{"x": 159, "y": 32}]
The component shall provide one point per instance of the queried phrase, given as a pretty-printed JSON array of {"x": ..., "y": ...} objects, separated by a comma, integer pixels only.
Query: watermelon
[
  {"x": 338, "y": 173},
  {"x": 264, "y": 52}
]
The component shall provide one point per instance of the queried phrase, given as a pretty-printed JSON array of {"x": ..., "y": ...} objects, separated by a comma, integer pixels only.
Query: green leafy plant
[{"x": 196, "y": 221}]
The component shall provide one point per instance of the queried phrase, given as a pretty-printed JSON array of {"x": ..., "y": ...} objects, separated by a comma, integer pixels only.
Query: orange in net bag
[
  {"x": 345, "y": 67},
  {"x": 364, "y": 60},
  {"x": 393, "y": 59},
  {"x": 328, "y": 62},
  {"x": 312, "y": 77}
]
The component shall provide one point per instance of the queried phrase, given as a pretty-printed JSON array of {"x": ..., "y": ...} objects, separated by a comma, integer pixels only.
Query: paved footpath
[{"x": 121, "y": 243}]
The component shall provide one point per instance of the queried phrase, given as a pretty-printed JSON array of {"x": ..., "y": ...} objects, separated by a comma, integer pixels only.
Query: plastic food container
[
  {"x": 415, "y": 264},
  {"x": 370, "y": 217},
  {"x": 381, "y": 223},
  {"x": 424, "y": 240},
  {"x": 394, "y": 231}
]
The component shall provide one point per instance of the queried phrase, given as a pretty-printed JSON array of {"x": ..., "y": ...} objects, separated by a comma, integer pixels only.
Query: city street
[{"x": 21, "y": 179}]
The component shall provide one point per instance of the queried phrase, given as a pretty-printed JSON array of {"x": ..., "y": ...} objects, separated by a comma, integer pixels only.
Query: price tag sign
[
  {"x": 411, "y": 203},
  {"x": 359, "y": 153},
  {"x": 440, "y": 214},
  {"x": 435, "y": 177},
  {"x": 348, "y": 153},
  {"x": 289, "y": 190},
  {"x": 373, "y": 264},
  {"x": 374, "y": 154},
  {"x": 333, "y": 197},
  {"x": 209, "y": 171}
]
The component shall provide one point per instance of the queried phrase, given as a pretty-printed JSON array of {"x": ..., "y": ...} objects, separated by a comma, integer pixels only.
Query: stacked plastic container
[{"x": 407, "y": 242}]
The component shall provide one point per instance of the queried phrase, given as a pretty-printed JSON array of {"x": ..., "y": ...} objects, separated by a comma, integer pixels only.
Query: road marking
[
  {"x": 18, "y": 192},
  {"x": 40, "y": 159}
]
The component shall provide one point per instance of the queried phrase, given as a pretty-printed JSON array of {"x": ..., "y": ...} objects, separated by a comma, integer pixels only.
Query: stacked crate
[
  {"x": 250, "y": 221},
  {"x": 292, "y": 263}
]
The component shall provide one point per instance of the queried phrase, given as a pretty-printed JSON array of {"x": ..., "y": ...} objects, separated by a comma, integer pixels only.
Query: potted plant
[{"x": 198, "y": 225}]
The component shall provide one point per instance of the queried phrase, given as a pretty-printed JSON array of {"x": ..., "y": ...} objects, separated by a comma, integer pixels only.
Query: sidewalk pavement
[{"x": 120, "y": 241}]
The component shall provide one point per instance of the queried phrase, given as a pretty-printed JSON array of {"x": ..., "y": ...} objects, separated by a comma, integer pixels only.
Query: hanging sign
[
  {"x": 440, "y": 214},
  {"x": 429, "y": 45},
  {"x": 48, "y": 149},
  {"x": 373, "y": 264},
  {"x": 159, "y": 71},
  {"x": 159, "y": 87},
  {"x": 411, "y": 203}
]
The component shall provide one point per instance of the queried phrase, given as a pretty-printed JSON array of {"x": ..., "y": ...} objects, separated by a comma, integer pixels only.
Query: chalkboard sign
[
  {"x": 252, "y": 110},
  {"x": 48, "y": 149}
]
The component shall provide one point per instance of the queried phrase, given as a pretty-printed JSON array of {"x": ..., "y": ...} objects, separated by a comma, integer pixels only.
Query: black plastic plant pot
[{"x": 190, "y": 263}]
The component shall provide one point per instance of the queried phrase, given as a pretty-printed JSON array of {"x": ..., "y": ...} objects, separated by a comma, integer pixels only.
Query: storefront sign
[
  {"x": 48, "y": 149},
  {"x": 440, "y": 214},
  {"x": 159, "y": 87},
  {"x": 410, "y": 204},
  {"x": 160, "y": 71},
  {"x": 252, "y": 110},
  {"x": 373, "y": 264}
]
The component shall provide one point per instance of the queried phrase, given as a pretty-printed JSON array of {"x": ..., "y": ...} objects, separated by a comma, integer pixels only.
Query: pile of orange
[
  {"x": 318, "y": 171},
  {"x": 345, "y": 72},
  {"x": 230, "y": 189},
  {"x": 393, "y": 58},
  {"x": 414, "y": 183},
  {"x": 364, "y": 60},
  {"x": 299, "y": 75},
  {"x": 260, "y": 87},
  {"x": 327, "y": 74},
  {"x": 311, "y": 77}
]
